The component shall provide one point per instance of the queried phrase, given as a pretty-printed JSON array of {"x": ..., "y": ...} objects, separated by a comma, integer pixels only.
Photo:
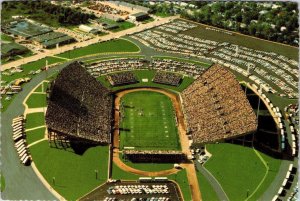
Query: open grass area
[
  {"x": 150, "y": 167},
  {"x": 35, "y": 120},
  {"x": 250, "y": 42},
  {"x": 147, "y": 74},
  {"x": 182, "y": 180},
  {"x": 148, "y": 122},
  {"x": 207, "y": 191},
  {"x": 118, "y": 173},
  {"x": 32, "y": 66},
  {"x": 36, "y": 101},
  {"x": 35, "y": 135},
  {"x": 239, "y": 170},
  {"x": 74, "y": 173},
  {"x": 118, "y": 45},
  {"x": 2, "y": 183}
]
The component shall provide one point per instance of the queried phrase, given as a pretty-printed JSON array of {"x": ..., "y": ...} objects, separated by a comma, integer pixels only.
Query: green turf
[
  {"x": 147, "y": 74},
  {"x": 207, "y": 191},
  {"x": 118, "y": 45},
  {"x": 39, "y": 88},
  {"x": 155, "y": 128},
  {"x": 246, "y": 41},
  {"x": 274, "y": 165},
  {"x": 36, "y": 101},
  {"x": 238, "y": 169},
  {"x": 74, "y": 174},
  {"x": 2, "y": 183},
  {"x": 123, "y": 26},
  {"x": 118, "y": 173},
  {"x": 182, "y": 180},
  {"x": 35, "y": 135},
  {"x": 150, "y": 167},
  {"x": 35, "y": 120}
]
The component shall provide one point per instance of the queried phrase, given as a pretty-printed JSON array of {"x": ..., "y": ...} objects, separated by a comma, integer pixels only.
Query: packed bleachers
[
  {"x": 79, "y": 106},
  {"x": 216, "y": 108},
  {"x": 112, "y": 65},
  {"x": 122, "y": 78},
  {"x": 19, "y": 139},
  {"x": 167, "y": 78},
  {"x": 154, "y": 156}
]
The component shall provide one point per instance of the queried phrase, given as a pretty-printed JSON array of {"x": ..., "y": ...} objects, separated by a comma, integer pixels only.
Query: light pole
[
  {"x": 53, "y": 180},
  {"x": 96, "y": 172}
]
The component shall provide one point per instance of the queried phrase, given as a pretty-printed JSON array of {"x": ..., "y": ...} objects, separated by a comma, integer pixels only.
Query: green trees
[{"x": 271, "y": 21}]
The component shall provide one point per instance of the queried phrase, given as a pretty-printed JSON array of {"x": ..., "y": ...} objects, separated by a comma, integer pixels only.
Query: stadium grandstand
[
  {"x": 154, "y": 156},
  {"x": 216, "y": 108},
  {"x": 167, "y": 78},
  {"x": 79, "y": 107},
  {"x": 122, "y": 78}
]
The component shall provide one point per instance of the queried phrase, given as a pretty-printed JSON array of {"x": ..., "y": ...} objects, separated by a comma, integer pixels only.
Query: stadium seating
[
  {"x": 122, "y": 78},
  {"x": 167, "y": 78},
  {"x": 79, "y": 106},
  {"x": 216, "y": 108}
]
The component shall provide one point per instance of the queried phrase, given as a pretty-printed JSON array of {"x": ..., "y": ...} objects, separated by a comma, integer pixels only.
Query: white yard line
[{"x": 31, "y": 129}]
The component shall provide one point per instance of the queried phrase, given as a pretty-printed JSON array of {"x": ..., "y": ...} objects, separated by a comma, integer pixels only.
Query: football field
[{"x": 148, "y": 122}]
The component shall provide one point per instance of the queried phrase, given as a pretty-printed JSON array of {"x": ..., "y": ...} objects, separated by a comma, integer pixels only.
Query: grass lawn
[
  {"x": 150, "y": 120},
  {"x": 207, "y": 191},
  {"x": 36, "y": 100},
  {"x": 39, "y": 88},
  {"x": 118, "y": 45},
  {"x": 35, "y": 120},
  {"x": 32, "y": 66},
  {"x": 250, "y": 42},
  {"x": 238, "y": 169},
  {"x": 162, "y": 14},
  {"x": 182, "y": 180},
  {"x": 123, "y": 25},
  {"x": 74, "y": 174},
  {"x": 35, "y": 135},
  {"x": 2, "y": 183},
  {"x": 150, "y": 167},
  {"x": 118, "y": 173},
  {"x": 147, "y": 74}
]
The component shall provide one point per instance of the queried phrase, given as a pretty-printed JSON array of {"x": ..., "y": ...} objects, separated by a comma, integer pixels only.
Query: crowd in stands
[
  {"x": 255, "y": 64},
  {"x": 190, "y": 69},
  {"x": 122, "y": 78},
  {"x": 112, "y": 65},
  {"x": 167, "y": 78},
  {"x": 79, "y": 106},
  {"x": 19, "y": 139},
  {"x": 215, "y": 107},
  {"x": 154, "y": 155}
]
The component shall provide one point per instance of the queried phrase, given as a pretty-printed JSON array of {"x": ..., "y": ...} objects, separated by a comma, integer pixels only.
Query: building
[
  {"x": 12, "y": 49},
  {"x": 88, "y": 29},
  {"x": 110, "y": 26},
  {"x": 52, "y": 39},
  {"x": 138, "y": 16}
]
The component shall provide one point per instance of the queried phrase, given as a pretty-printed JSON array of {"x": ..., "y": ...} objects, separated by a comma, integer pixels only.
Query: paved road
[
  {"x": 21, "y": 181},
  {"x": 86, "y": 43}
]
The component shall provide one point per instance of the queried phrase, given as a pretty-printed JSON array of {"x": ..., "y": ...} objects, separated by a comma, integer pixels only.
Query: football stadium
[{"x": 177, "y": 111}]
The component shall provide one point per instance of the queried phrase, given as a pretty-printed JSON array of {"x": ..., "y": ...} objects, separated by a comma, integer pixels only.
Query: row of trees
[
  {"x": 276, "y": 22},
  {"x": 40, "y": 9}
]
